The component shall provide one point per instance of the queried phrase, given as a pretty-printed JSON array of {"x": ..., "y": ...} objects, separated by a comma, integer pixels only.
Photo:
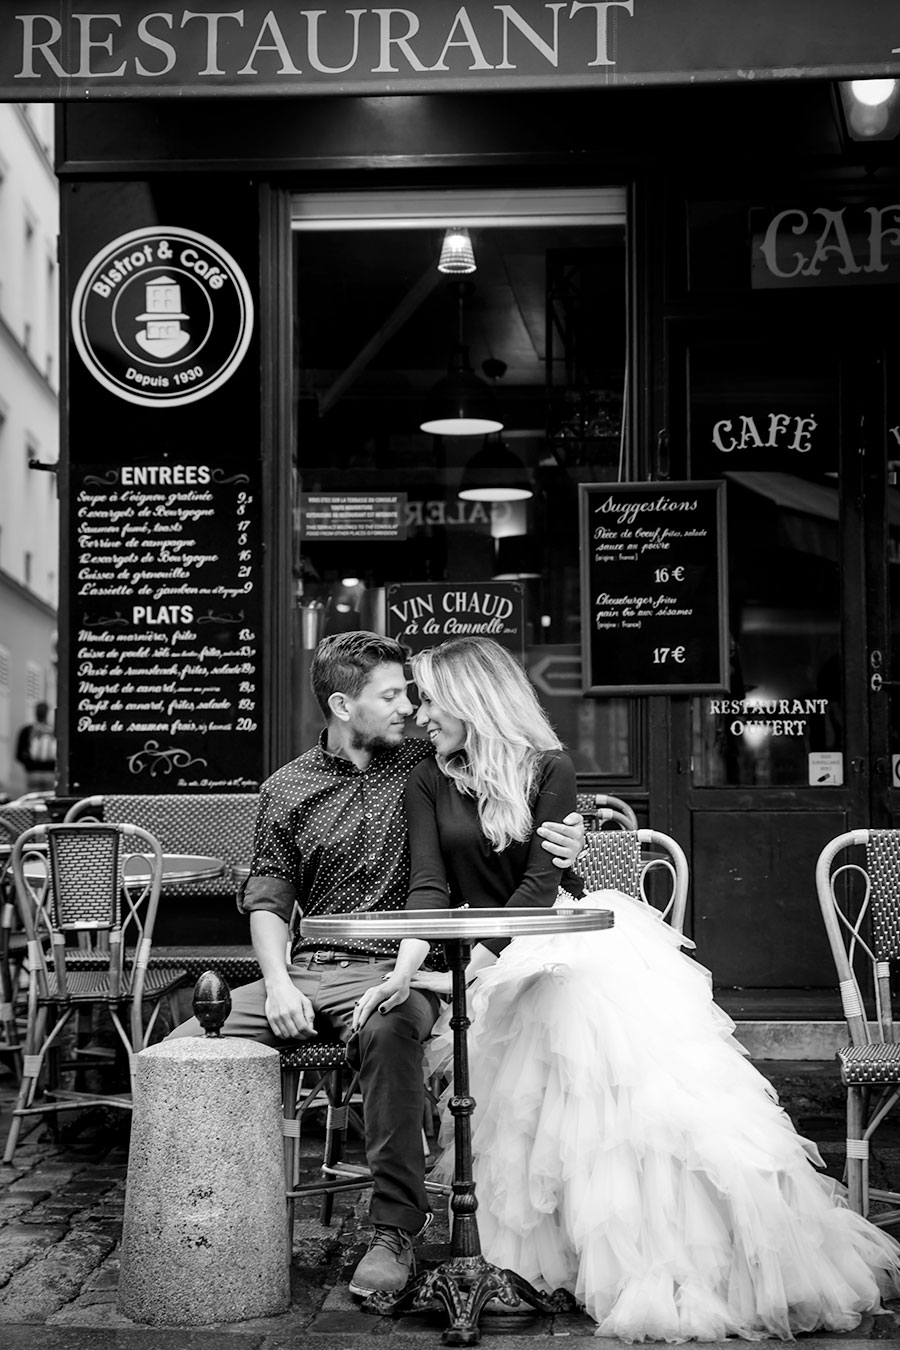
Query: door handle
[{"x": 877, "y": 682}]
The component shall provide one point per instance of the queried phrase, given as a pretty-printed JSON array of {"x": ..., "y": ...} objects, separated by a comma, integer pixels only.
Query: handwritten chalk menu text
[
  {"x": 167, "y": 627},
  {"x": 653, "y": 587}
]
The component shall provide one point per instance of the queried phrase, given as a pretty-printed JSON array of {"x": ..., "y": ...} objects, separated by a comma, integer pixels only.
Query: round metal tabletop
[{"x": 463, "y": 925}]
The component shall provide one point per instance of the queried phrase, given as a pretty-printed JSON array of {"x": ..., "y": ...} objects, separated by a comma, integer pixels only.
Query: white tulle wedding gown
[{"x": 627, "y": 1150}]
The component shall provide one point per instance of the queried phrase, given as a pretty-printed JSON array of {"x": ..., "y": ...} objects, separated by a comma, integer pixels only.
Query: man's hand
[
  {"x": 289, "y": 1012},
  {"x": 564, "y": 841},
  {"x": 390, "y": 993}
]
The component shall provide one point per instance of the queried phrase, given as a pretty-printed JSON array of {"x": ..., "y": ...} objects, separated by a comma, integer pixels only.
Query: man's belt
[{"x": 327, "y": 956}]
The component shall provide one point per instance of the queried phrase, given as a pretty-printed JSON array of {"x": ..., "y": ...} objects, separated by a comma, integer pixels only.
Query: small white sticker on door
[{"x": 826, "y": 768}]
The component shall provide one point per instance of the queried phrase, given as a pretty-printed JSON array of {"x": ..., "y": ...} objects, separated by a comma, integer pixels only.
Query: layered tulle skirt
[{"x": 627, "y": 1150}]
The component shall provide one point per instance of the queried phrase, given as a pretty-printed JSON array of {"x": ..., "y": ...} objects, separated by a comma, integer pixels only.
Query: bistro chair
[
  {"x": 12, "y": 950},
  {"x": 858, "y": 886},
  {"x": 85, "y": 810},
  {"x": 625, "y": 860},
  {"x": 21, "y": 815},
  {"x": 84, "y": 887},
  {"x": 598, "y": 808},
  {"x": 335, "y": 1084}
]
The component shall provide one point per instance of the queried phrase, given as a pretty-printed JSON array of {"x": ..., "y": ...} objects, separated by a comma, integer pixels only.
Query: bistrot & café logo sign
[{"x": 162, "y": 317}]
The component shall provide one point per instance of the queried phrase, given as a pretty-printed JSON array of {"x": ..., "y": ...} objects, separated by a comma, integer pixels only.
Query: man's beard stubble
[{"x": 374, "y": 745}]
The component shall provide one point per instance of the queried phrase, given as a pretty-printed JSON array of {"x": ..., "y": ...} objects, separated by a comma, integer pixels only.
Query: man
[
  {"x": 331, "y": 837},
  {"x": 36, "y": 751}
]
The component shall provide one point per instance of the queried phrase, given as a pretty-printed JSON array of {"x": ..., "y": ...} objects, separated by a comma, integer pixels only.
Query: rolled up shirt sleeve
[
  {"x": 273, "y": 894},
  {"x": 271, "y": 885}
]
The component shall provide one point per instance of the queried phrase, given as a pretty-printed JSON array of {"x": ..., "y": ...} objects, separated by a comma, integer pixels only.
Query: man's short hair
[{"x": 343, "y": 662}]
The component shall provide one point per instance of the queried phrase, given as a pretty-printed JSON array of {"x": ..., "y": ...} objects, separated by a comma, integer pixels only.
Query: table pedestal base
[{"x": 464, "y": 1284}]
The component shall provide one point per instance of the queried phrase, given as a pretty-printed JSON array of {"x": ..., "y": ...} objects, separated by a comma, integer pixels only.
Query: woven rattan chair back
[
  {"x": 8, "y": 831},
  {"x": 858, "y": 888},
  {"x": 625, "y": 860},
  {"x": 219, "y": 824},
  {"x": 85, "y": 878},
  {"x": 15, "y": 820}
]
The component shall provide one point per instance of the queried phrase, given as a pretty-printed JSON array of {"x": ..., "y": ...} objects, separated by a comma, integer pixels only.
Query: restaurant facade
[{"x": 571, "y": 324}]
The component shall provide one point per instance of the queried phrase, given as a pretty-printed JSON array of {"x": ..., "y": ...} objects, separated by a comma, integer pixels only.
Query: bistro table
[
  {"x": 176, "y": 867},
  {"x": 465, "y": 1282}
]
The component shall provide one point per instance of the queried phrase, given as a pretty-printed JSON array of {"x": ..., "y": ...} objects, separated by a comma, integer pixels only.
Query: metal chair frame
[
  {"x": 336, "y": 1085},
  {"x": 10, "y": 1046},
  {"x": 87, "y": 885},
  {"x": 615, "y": 860},
  {"x": 601, "y": 806},
  {"x": 864, "y": 935}
]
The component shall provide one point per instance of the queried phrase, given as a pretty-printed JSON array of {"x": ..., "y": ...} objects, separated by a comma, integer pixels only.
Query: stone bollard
[{"x": 205, "y": 1236}]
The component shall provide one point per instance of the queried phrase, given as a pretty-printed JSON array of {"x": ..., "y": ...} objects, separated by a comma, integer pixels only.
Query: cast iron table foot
[{"x": 464, "y": 1284}]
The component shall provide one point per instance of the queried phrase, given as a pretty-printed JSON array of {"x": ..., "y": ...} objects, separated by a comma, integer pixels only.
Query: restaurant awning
[
  {"x": 808, "y": 512},
  {"x": 56, "y": 50}
]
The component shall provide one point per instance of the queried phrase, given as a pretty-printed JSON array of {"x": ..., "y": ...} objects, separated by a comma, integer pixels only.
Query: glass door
[
  {"x": 769, "y": 771},
  {"x": 881, "y": 674}
]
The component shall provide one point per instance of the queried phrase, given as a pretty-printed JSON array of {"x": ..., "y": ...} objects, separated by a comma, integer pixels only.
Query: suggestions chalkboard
[
  {"x": 654, "y": 588},
  {"x": 166, "y": 629}
]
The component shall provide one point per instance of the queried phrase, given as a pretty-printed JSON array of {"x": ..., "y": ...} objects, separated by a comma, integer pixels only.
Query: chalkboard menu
[
  {"x": 166, "y": 627},
  {"x": 654, "y": 588}
]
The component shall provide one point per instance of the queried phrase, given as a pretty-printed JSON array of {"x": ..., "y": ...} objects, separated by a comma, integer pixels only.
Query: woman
[{"x": 624, "y": 1147}]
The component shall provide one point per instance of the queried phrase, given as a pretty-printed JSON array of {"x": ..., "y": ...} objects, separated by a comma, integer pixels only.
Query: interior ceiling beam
[{"x": 417, "y": 294}]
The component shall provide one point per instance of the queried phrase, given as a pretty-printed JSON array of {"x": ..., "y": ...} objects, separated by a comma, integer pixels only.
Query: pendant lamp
[
  {"x": 495, "y": 474},
  {"x": 457, "y": 255},
  {"x": 460, "y": 404}
]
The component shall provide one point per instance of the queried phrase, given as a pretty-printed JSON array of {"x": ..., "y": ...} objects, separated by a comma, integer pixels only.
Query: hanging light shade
[
  {"x": 457, "y": 256},
  {"x": 460, "y": 404},
  {"x": 517, "y": 559},
  {"x": 495, "y": 474}
]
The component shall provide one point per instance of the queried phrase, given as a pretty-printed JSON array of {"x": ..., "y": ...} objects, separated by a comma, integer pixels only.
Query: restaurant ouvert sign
[{"x": 67, "y": 50}]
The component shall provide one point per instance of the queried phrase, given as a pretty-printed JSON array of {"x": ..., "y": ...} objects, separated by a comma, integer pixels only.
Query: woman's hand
[
  {"x": 564, "y": 840},
  {"x": 436, "y": 982},
  {"x": 390, "y": 993}
]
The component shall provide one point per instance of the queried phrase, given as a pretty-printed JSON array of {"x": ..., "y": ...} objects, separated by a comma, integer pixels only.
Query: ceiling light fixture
[
  {"x": 457, "y": 255},
  {"x": 871, "y": 109},
  {"x": 460, "y": 404},
  {"x": 495, "y": 474}
]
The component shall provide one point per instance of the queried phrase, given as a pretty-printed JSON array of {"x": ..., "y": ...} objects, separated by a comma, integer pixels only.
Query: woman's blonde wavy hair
[{"x": 478, "y": 681}]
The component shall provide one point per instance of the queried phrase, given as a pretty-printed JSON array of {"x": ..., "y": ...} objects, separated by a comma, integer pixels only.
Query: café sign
[
  {"x": 52, "y": 49},
  {"x": 162, "y": 317},
  {"x": 826, "y": 245}
]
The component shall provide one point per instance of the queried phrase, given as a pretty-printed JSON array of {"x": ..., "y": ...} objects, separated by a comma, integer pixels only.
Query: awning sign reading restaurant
[{"x": 67, "y": 50}]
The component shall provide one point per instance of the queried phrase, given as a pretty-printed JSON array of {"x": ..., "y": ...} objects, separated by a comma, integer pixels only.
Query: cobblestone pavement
[{"x": 61, "y": 1209}]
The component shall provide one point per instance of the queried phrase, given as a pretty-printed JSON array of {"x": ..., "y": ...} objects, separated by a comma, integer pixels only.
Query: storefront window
[
  {"x": 427, "y": 533},
  {"x": 889, "y": 666},
  {"x": 766, "y": 421}
]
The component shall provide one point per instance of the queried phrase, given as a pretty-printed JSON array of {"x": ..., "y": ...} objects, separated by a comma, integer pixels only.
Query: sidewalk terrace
[{"x": 61, "y": 1209}]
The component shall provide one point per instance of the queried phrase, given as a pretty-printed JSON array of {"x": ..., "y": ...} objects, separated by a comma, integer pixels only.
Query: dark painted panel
[
  {"x": 572, "y": 129},
  {"x": 756, "y": 917}
]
